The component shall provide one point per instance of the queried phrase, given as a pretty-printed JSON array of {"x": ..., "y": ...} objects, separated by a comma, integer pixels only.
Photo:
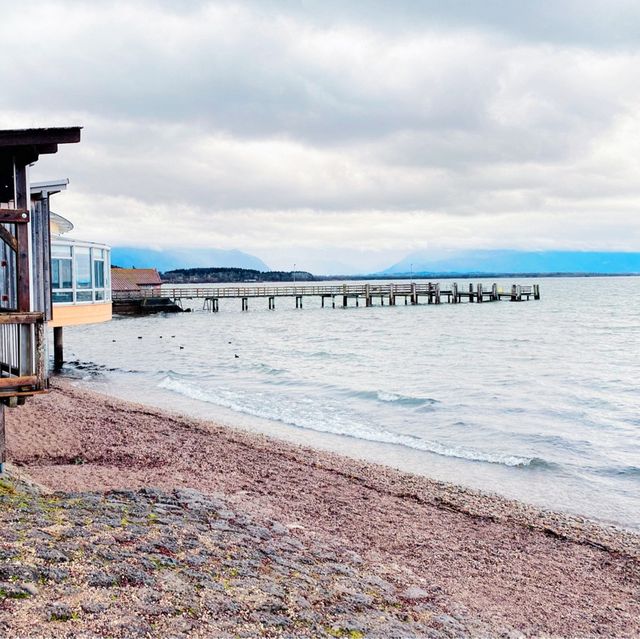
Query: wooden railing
[
  {"x": 22, "y": 354},
  {"x": 273, "y": 291}
]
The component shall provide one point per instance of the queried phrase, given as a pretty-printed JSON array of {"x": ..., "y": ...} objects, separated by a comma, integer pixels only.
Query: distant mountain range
[
  {"x": 506, "y": 261},
  {"x": 170, "y": 260}
]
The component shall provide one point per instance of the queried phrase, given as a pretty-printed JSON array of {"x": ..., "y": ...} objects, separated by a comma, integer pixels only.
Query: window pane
[
  {"x": 99, "y": 295},
  {"x": 98, "y": 274},
  {"x": 84, "y": 296},
  {"x": 62, "y": 297},
  {"x": 98, "y": 254},
  {"x": 55, "y": 273},
  {"x": 83, "y": 267},
  {"x": 66, "y": 274},
  {"x": 61, "y": 273},
  {"x": 60, "y": 250}
]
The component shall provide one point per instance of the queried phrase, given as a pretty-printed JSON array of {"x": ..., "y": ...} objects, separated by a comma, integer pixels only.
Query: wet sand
[{"x": 507, "y": 565}]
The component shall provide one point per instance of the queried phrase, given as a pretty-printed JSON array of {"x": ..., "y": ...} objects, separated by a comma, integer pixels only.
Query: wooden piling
[
  {"x": 536, "y": 291},
  {"x": 245, "y": 303},
  {"x": 479, "y": 289},
  {"x": 58, "y": 348},
  {"x": 437, "y": 294},
  {"x": 454, "y": 293},
  {"x": 3, "y": 441},
  {"x": 494, "y": 292}
]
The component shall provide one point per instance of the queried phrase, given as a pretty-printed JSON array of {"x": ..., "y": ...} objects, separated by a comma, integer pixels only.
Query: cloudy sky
[{"x": 335, "y": 134}]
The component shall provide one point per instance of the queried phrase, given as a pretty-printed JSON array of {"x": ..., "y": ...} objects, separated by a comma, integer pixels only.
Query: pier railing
[
  {"x": 22, "y": 354},
  {"x": 413, "y": 291}
]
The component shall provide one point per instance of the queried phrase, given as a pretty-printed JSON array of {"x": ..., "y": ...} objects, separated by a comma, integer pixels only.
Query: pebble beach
[{"x": 122, "y": 520}]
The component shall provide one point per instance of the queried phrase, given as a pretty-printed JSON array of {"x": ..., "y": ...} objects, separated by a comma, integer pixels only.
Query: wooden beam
[
  {"x": 15, "y": 382},
  {"x": 26, "y": 137},
  {"x": 22, "y": 236},
  {"x": 20, "y": 318},
  {"x": 8, "y": 239},
  {"x": 14, "y": 216}
]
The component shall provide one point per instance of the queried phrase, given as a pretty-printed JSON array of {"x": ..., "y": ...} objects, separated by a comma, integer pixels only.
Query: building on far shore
[
  {"x": 135, "y": 279},
  {"x": 138, "y": 291}
]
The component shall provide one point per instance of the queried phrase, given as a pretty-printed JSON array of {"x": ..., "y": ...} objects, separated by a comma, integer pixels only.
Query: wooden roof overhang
[{"x": 30, "y": 144}]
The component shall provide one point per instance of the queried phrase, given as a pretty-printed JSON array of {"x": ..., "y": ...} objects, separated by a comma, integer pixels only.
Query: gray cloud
[{"x": 335, "y": 127}]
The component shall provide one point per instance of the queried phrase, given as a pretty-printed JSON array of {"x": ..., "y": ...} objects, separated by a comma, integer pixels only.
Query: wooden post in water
[
  {"x": 392, "y": 295},
  {"x": 536, "y": 291},
  {"x": 454, "y": 293},
  {"x": 494, "y": 292},
  {"x": 344, "y": 301},
  {"x": 272, "y": 303},
  {"x": 58, "y": 348},
  {"x": 519, "y": 293},
  {"x": 367, "y": 295},
  {"x": 215, "y": 304},
  {"x": 479, "y": 298},
  {"x": 414, "y": 294},
  {"x": 437, "y": 293},
  {"x": 298, "y": 301},
  {"x": 245, "y": 304},
  {"x": 513, "y": 293}
]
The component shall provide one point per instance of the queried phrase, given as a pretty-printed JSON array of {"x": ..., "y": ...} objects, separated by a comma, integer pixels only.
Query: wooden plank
[
  {"x": 48, "y": 136},
  {"x": 20, "y": 318},
  {"x": 15, "y": 382},
  {"x": 14, "y": 216}
]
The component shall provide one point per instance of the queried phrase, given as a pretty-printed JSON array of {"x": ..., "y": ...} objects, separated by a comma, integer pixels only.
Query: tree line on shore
[{"x": 229, "y": 274}]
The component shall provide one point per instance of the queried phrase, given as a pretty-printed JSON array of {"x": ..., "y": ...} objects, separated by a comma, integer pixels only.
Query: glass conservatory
[{"x": 80, "y": 272}]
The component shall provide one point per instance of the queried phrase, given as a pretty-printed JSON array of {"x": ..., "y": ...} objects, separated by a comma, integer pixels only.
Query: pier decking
[{"x": 411, "y": 293}]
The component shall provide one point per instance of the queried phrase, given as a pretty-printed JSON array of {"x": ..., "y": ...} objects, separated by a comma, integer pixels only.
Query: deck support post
[
  {"x": 479, "y": 297},
  {"x": 454, "y": 293},
  {"x": 245, "y": 304},
  {"x": 494, "y": 292},
  {"x": 333, "y": 301},
  {"x": 272, "y": 303},
  {"x": 214, "y": 305},
  {"x": 344, "y": 301},
  {"x": 298, "y": 301},
  {"x": 536, "y": 291},
  {"x": 437, "y": 291},
  {"x": 414, "y": 294},
  {"x": 58, "y": 348},
  {"x": 3, "y": 442},
  {"x": 513, "y": 293}
]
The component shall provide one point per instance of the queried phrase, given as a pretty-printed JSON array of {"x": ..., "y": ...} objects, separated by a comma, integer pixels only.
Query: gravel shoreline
[{"x": 451, "y": 561}]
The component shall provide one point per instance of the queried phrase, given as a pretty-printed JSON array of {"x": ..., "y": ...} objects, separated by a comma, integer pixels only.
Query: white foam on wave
[{"x": 331, "y": 421}]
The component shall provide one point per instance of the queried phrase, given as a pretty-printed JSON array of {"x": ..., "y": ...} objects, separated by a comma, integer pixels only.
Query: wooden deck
[{"x": 370, "y": 294}]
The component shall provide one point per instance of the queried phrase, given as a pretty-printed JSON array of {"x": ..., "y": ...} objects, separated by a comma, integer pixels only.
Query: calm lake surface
[{"x": 538, "y": 401}]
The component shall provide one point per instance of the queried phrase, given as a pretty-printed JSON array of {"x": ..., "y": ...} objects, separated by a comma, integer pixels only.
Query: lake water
[{"x": 537, "y": 401}]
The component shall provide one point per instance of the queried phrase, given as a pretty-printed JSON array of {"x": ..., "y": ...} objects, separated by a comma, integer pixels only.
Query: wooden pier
[{"x": 345, "y": 294}]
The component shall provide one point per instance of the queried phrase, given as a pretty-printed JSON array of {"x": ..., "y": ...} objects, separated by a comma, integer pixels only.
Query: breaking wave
[{"x": 265, "y": 407}]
